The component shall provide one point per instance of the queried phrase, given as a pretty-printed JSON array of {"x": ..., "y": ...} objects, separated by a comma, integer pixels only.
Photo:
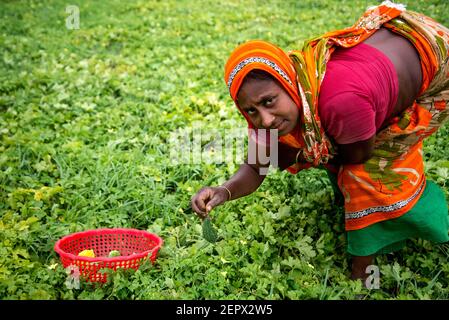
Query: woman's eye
[
  {"x": 251, "y": 111},
  {"x": 268, "y": 102}
]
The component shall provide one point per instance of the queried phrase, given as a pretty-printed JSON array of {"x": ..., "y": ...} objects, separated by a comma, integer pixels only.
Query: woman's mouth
[{"x": 280, "y": 126}]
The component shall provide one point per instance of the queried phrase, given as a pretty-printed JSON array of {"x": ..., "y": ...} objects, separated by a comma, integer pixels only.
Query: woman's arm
[
  {"x": 244, "y": 182},
  {"x": 355, "y": 153}
]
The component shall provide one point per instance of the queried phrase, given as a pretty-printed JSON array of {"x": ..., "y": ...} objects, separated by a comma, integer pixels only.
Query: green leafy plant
[{"x": 85, "y": 120}]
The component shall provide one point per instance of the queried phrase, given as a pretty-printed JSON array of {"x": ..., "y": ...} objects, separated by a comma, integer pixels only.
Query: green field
[{"x": 85, "y": 122}]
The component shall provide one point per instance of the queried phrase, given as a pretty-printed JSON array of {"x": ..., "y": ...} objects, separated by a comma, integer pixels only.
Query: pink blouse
[{"x": 359, "y": 91}]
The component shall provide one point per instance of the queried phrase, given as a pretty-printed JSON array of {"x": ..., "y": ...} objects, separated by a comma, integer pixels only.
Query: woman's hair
[{"x": 258, "y": 74}]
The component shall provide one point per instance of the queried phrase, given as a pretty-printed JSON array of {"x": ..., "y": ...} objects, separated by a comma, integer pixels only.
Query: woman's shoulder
[{"x": 345, "y": 75}]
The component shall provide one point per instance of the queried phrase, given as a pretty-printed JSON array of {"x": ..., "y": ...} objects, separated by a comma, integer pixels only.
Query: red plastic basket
[{"x": 134, "y": 245}]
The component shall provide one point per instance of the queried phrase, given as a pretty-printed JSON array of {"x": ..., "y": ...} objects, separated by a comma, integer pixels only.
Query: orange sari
[{"x": 391, "y": 182}]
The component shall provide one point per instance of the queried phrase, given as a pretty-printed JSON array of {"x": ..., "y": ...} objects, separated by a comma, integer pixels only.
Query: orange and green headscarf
[{"x": 309, "y": 136}]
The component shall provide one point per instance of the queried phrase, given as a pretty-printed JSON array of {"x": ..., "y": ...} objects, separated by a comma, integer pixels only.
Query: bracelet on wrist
[{"x": 229, "y": 192}]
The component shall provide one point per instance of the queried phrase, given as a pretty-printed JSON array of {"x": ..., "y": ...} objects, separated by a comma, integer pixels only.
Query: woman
[{"x": 359, "y": 102}]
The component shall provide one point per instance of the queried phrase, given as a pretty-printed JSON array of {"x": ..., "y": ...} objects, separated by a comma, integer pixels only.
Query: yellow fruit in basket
[
  {"x": 114, "y": 253},
  {"x": 87, "y": 253}
]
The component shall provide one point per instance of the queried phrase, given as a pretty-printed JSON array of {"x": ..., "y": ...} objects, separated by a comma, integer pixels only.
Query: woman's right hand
[{"x": 208, "y": 198}]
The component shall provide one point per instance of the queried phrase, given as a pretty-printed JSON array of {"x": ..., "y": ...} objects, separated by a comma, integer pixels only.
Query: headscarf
[
  {"x": 265, "y": 56},
  {"x": 262, "y": 55}
]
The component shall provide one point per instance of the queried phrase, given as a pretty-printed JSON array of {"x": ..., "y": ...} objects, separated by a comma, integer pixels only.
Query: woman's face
[{"x": 268, "y": 105}]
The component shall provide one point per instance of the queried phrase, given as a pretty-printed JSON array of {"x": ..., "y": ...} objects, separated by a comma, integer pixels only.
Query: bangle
[
  {"x": 229, "y": 192},
  {"x": 298, "y": 155}
]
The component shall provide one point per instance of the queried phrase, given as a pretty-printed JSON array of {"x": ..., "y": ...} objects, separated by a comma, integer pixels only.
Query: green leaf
[{"x": 209, "y": 232}]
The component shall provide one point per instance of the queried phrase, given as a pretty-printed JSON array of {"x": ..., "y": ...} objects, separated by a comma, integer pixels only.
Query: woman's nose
[{"x": 267, "y": 119}]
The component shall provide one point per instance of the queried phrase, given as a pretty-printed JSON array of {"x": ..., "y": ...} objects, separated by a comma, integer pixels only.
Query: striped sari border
[{"x": 385, "y": 209}]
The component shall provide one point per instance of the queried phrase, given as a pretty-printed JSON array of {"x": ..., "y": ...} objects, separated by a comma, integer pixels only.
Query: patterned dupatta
[
  {"x": 390, "y": 183},
  {"x": 310, "y": 64}
]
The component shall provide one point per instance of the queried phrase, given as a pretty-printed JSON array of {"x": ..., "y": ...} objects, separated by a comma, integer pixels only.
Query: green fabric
[{"x": 428, "y": 220}]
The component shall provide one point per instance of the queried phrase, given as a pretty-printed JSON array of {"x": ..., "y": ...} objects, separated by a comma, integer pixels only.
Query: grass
[{"x": 86, "y": 118}]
